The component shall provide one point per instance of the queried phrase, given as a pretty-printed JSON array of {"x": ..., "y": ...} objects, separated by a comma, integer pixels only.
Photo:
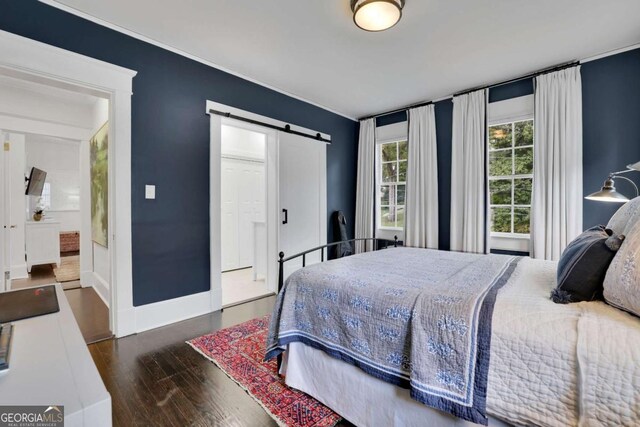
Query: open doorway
[
  {"x": 53, "y": 212},
  {"x": 37, "y": 62},
  {"x": 55, "y": 198},
  {"x": 295, "y": 198},
  {"x": 243, "y": 214}
]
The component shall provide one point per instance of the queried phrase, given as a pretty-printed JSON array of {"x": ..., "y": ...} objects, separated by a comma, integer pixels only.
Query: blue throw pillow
[{"x": 583, "y": 265}]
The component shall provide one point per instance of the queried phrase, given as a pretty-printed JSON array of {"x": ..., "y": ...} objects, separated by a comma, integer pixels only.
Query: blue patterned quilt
[{"x": 416, "y": 318}]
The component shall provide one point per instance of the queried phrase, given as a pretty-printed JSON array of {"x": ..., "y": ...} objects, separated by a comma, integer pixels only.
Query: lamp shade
[
  {"x": 607, "y": 193},
  {"x": 635, "y": 166},
  {"x": 376, "y": 15}
]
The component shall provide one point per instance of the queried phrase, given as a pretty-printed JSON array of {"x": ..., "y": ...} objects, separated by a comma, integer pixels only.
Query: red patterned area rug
[{"x": 239, "y": 352}]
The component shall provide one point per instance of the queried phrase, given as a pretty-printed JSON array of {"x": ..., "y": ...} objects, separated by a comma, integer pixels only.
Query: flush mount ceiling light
[{"x": 376, "y": 15}]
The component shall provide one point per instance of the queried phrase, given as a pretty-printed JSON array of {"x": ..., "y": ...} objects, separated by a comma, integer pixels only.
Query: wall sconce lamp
[{"x": 608, "y": 191}]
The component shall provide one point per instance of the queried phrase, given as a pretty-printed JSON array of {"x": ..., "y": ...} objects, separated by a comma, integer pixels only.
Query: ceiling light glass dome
[{"x": 376, "y": 15}]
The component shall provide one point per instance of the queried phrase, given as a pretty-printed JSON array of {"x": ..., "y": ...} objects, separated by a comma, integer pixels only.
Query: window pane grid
[
  {"x": 391, "y": 184},
  {"x": 511, "y": 176}
]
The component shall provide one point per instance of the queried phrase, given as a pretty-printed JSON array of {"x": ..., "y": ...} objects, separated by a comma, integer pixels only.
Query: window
[
  {"x": 391, "y": 184},
  {"x": 511, "y": 176},
  {"x": 45, "y": 199}
]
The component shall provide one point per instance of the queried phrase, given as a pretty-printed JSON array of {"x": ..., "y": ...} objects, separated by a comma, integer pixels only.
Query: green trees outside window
[
  {"x": 510, "y": 176},
  {"x": 391, "y": 183}
]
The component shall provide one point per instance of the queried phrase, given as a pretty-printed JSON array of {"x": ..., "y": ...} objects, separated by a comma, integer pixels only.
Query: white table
[{"x": 50, "y": 364}]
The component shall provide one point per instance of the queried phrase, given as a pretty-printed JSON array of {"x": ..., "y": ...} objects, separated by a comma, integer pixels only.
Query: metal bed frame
[{"x": 377, "y": 245}]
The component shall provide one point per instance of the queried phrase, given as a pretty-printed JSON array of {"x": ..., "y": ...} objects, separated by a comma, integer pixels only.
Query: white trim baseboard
[
  {"x": 86, "y": 279},
  {"x": 101, "y": 287},
  {"x": 155, "y": 315}
]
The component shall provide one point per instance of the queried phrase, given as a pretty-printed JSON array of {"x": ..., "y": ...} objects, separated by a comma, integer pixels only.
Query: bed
[{"x": 545, "y": 364}]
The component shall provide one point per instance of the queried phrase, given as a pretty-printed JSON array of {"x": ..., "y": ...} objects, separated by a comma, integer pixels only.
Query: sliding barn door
[{"x": 302, "y": 197}]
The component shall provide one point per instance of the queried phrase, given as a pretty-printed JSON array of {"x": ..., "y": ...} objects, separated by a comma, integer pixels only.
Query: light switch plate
[{"x": 149, "y": 191}]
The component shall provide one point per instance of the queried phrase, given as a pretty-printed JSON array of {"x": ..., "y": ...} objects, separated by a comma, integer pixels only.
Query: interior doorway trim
[
  {"x": 39, "y": 62},
  {"x": 215, "y": 196}
]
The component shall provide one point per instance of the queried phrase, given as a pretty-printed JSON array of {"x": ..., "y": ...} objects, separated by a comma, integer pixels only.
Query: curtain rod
[
  {"x": 286, "y": 128},
  {"x": 398, "y": 110},
  {"x": 492, "y": 85}
]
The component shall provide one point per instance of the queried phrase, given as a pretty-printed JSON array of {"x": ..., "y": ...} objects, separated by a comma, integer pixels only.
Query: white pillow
[
  {"x": 626, "y": 217},
  {"x": 622, "y": 282}
]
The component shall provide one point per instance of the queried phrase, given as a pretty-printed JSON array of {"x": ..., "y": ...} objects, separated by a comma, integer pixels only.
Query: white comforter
[{"x": 561, "y": 365}]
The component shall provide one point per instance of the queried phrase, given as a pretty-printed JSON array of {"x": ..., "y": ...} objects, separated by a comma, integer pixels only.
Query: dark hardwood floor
[
  {"x": 90, "y": 312},
  {"x": 154, "y": 378}
]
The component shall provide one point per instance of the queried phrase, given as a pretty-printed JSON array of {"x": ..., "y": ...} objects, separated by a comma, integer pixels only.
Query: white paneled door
[
  {"x": 243, "y": 202},
  {"x": 302, "y": 196},
  {"x": 13, "y": 206}
]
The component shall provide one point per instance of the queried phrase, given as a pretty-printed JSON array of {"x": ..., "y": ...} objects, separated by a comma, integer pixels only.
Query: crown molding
[
  {"x": 130, "y": 33},
  {"x": 610, "y": 53}
]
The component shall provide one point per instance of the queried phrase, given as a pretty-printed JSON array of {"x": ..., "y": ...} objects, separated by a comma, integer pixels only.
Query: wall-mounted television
[{"x": 36, "y": 182}]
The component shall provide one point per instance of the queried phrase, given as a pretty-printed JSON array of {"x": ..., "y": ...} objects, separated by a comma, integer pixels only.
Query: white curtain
[
  {"x": 365, "y": 183},
  {"x": 556, "y": 205},
  {"x": 421, "y": 204},
  {"x": 468, "y": 174}
]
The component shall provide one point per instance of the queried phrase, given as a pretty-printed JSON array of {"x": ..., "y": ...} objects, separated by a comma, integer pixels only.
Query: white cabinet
[{"x": 42, "y": 243}]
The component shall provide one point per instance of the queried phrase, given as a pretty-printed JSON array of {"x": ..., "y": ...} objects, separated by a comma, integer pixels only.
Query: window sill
[
  {"x": 510, "y": 242},
  {"x": 512, "y": 236},
  {"x": 389, "y": 233}
]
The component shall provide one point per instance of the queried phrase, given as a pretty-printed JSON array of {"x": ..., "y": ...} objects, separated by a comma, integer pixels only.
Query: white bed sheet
[
  {"x": 551, "y": 365},
  {"x": 360, "y": 398}
]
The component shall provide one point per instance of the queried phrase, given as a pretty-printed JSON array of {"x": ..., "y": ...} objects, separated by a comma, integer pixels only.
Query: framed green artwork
[{"x": 99, "y": 164}]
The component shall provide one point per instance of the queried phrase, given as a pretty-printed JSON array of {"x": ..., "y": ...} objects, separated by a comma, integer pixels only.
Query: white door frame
[
  {"x": 28, "y": 59},
  {"x": 272, "y": 196},
  {"x": 5, "y": 270}
]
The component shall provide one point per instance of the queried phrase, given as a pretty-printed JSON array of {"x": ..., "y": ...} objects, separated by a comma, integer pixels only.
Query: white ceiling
[
  {"x": 312, "y": 50},
  {"x": 46, "y": 92},
  {"x": 35, "y": 101}
]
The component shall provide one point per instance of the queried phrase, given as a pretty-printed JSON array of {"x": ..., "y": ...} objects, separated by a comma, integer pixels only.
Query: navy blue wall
[
  {"x": 390, "y": 119},
  {"x": 444, "y": 123},
  {"x": 170, "y": 143},
  {"x": 511, "y": 90},
  {"x": 611, "y": 127}
]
